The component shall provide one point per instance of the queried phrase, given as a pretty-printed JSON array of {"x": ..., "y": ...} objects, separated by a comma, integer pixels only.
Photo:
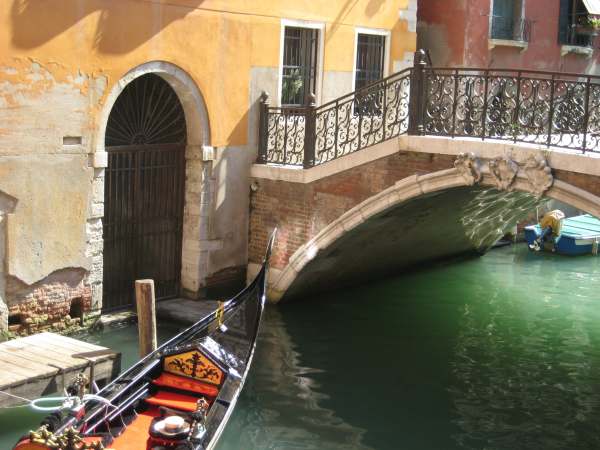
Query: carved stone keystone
[
  {"x": 539, "y": 174},
  {"x": 503, "y": 171},
  {"x": 469, "y": 167}
]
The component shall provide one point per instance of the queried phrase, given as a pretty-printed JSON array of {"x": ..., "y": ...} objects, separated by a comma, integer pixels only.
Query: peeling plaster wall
[
  {"x": 45, "y": 141},
  {"x": 48, "y": 228},
  {"x": 61, "y": 59}
]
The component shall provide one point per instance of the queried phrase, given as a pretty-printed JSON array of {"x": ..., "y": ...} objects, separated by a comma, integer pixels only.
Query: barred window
[
  {"x": 574, "y": 27},
  {"x": 300, "y": 51},
  {"x": 370, "y": 59}
]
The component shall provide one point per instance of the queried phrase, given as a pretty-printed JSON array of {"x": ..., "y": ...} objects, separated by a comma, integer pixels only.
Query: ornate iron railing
[
  {"x": 544, "y": 108},
  {"x": 551, "y": 109},
  {"x": 309, "y": 135}
]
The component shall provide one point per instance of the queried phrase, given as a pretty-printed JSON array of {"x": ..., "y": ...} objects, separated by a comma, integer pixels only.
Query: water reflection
[
  {"x": 280, "y": 407},
  {"x": 495, "y": 353}
]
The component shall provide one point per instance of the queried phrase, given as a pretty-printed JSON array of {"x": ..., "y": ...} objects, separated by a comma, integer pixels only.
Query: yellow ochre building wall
[{"x": 62, "y": 64}]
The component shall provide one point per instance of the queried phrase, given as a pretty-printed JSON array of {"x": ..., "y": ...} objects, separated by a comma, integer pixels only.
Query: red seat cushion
[
  {"x": 174, "y": 401},
  {"x": 186, "y": 384}
]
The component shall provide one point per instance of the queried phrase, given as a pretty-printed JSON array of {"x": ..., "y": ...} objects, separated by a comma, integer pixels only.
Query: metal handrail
[{"x": 554, "y": 109}]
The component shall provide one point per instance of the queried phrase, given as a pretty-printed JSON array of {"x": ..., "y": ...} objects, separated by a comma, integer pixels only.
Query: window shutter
[{"x": 563, "y": 21}]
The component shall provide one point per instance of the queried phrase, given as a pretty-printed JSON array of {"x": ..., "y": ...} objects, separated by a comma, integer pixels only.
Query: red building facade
[{"x": 552, "y": 35}]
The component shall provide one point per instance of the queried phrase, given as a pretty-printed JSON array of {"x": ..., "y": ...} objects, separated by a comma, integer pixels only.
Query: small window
[
  {"x": 507, "y": 21},
  {"x": 300, "y": 52},
  {"x": 370, "y": 59},
  {"x": 577, "y": 26}
]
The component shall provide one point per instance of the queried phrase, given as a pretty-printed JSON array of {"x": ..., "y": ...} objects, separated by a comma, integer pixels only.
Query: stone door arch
[{"x": 144, "y": 191}]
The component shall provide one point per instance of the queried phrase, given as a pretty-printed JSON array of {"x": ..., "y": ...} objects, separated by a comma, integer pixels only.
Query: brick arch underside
[{"x": 421, "y": 218}]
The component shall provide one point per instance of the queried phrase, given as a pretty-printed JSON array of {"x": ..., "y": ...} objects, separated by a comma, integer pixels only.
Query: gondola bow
[{"x": 178, "y": 397}]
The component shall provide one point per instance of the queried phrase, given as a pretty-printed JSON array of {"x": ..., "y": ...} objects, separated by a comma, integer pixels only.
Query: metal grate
[
  {"x": 143, "y": 195},
  {"x": 370, "y": 59},
  {"x": 147, "y": 112}
]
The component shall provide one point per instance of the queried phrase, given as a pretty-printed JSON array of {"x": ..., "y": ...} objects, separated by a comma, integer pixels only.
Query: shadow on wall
[
  {"x": 371, "y": 9},
  {"x": 35, "y": 22}
]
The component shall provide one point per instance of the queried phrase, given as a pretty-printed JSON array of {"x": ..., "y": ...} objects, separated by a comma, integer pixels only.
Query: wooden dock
[{"x": 45, "y": 363}]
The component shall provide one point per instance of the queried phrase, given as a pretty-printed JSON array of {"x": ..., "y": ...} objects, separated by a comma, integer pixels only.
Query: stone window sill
[
  {"x": 522, "y": 45},
  {"x": 576, "y": 49}
]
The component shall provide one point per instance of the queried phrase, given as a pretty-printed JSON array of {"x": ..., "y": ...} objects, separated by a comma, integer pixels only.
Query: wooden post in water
[{"x": 146, "y": 313}]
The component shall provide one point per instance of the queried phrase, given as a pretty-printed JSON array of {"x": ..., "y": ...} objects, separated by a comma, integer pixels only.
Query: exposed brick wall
[
  {"x": 301, "y": 211},
  {"x": 45, "y": 305}
]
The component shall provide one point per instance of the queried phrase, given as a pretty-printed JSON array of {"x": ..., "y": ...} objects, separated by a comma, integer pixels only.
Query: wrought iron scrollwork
[
  {"x": 368, "y": 116},
  {"x": 544, "y": 108},
  {"x": 551, "y": 109},
  {"x": 285, "y": 135}
]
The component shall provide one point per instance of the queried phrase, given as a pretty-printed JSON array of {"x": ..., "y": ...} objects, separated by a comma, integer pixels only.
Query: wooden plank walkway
[{"x": 45, "y": 363}]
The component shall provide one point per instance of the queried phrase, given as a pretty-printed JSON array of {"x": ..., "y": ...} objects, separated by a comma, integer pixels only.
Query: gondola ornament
[{"x": 69, "y": 440}]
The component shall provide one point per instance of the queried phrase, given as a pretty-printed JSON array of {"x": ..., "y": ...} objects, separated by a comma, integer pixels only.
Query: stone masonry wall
[{"x": 300, "y": 211}]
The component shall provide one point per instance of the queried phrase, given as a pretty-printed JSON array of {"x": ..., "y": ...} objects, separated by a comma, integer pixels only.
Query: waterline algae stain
[{"x": 500, "y": 352}]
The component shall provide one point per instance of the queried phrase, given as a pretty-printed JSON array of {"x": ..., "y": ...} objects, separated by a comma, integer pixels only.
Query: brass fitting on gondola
[{"x": 69, "y": 440}]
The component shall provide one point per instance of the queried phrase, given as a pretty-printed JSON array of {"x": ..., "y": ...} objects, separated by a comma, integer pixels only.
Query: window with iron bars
[
  {"x": 575, "y": 27},
  {"x": 507, "y": 22},
  {"x": 300, "y": 52},
  {"x": 370, "y": 59}
]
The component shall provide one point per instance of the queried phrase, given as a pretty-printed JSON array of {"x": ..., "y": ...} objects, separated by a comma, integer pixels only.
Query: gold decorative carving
[
  {"x": 69, "y": 440},
  {"x": 539, "y": 174},
  {"x": 195, "y": 365},
  {"x": 503, "y": 171},
  {"x": 469, "y": 167}
]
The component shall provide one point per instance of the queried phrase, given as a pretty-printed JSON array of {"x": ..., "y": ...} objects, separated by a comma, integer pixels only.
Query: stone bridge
[
  {"x": 403, "y": 202},
  {"x": 422, "y": 165}
]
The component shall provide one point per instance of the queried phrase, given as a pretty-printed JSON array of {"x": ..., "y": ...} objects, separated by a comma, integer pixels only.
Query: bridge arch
[{"x": 412, "y": 188}]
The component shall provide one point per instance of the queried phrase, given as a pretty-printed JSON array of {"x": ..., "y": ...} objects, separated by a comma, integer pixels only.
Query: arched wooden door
[{"x": 143, "y": 191}]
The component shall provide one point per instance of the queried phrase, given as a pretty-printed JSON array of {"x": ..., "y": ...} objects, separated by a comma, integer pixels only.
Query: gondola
[{"x": 179, "y": 397}]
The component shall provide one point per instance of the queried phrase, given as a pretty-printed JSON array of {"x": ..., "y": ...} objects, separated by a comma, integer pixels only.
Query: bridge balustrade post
[
  {"x": 263, "y": 128},
  {"x": 417, "y": 95},
  {"x": 310, "y": 133}
]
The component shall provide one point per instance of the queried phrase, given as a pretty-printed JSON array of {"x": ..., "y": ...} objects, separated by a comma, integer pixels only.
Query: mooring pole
[{"x": 146, "y": 313}]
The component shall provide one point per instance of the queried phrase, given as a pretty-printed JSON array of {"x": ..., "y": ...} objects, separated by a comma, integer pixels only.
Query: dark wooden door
[{"x": 143, "y": 193}]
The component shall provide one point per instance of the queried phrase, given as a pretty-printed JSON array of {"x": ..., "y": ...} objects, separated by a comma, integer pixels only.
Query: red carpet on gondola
[{"x": 135, "y": 435}]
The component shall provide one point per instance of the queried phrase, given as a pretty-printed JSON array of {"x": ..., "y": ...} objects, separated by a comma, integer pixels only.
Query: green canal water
[{"x": 499, "y": 352}]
